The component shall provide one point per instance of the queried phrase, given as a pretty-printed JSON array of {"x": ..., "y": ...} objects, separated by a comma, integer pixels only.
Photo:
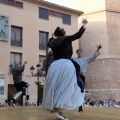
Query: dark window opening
[
  {"x": 16, "y": 36},
  {"x": 43, "y": 13},
  {"x": 43, "y": 38},
  {"x": 19, "y": 4},
  {"x": 66, "y": 19}
]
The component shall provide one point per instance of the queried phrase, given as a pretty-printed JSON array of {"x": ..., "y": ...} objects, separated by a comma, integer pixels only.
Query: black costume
[
  {"x": 62, "y": 48},
  {"x": 65, "y": 50}
]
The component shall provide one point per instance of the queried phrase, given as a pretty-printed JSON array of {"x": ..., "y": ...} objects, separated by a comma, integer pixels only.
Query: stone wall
[
  {"x": 103, "y": 78},
  {"x": 113, "y": 30},
  {"x": 112, "y": 5}
]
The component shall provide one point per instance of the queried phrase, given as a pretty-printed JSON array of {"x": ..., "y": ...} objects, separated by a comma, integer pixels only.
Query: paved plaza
[{"x": 37, "y": 113}]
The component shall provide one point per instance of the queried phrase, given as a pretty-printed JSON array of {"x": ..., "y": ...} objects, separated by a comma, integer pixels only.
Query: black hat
[{"x": 59, "y": 32}]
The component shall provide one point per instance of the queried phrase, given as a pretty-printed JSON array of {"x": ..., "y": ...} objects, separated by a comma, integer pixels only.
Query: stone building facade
[
  {"x": 30, "y": 24},
  {"x": 103, "y": 75}
]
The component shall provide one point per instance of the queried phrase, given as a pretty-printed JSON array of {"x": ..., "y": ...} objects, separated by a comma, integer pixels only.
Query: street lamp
[
  {"x": 40, "y": 73},
  {"x": 32, "y": 70}
]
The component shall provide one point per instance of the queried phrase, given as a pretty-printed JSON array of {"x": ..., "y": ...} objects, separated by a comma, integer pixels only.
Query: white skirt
[{"x": 61, "y": 89}]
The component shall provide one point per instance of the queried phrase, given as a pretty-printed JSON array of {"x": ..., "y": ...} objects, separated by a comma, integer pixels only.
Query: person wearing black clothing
[
  {"x": 61, "y": 90},
  {"x": 18, "y": 83},
  {"x": 64, "y": 50}
]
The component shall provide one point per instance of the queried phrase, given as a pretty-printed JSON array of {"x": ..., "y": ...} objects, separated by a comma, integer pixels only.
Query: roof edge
[{"x": 59, "y": 7}]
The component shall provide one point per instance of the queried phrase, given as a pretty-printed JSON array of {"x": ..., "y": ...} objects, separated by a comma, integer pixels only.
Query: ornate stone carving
[{"x": 4, "y": 27}]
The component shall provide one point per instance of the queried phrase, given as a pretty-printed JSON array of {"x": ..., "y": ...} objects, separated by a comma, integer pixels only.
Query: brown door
[{"x": 11, "y": 92}]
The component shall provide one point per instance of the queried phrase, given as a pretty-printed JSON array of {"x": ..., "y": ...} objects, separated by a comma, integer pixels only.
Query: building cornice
[
  {"x": 55, "y": 6},
  {"x": 102, "y": 10}
]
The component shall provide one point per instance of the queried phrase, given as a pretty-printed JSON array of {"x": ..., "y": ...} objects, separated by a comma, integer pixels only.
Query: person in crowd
[{"x": 6, "y": 103}]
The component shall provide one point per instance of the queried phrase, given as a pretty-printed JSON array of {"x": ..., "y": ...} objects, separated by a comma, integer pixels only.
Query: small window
[
  {"x": 19, "y": 4},
  {"x": 43, "y": 13},
  {"x": 2, "y": 1},
  {"x": 11, "y": 2},
  {"x": 66, "y": 19},
  {"x": 58, "y": 14},
  {"x": 43, "y": 38},
  {"x": 52, "y": 13},
  {"x": 42, "y": 61},
  {"x": 16, "y": 36},
  {"x": 15, "y": 57}
]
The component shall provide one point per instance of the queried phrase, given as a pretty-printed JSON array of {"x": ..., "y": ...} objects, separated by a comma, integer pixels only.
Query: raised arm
[
  {"x": 19, "y": 69},
  {"x": 53, "y": 42},
  {"x": 79, "y": 33},
  {"x": 93, "y": 57}
]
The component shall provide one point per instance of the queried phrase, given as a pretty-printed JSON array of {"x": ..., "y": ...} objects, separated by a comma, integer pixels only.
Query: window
[
  {"x": 2, "y": 1},
  {"x": 42, "y": 60},
  {"x": 11, "y": 2},
  {"x": 58, "y": 14},
  {"x": 15, "y": 57},
  {"x": 16, "y": 36},
  {"x": 43, "y": 13},
  {"x": 52, "y": 13},
  {"x": 66, "y": 19},
  {"x": 19, "y": 4},
  {"x": 43, "y": 38}
]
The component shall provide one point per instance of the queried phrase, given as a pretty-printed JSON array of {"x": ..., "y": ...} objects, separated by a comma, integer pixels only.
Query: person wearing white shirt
[{"x": 83, "y": 62}]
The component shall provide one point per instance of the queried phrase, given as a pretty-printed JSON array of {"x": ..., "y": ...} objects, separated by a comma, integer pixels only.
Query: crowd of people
[
  {"x": 87, "y": 103},
  {"x": 101, "y": 103},
  {"x": 10, "y": 104}
]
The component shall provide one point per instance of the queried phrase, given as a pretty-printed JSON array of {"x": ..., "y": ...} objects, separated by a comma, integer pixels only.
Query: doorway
[{"x": 11, "y": 92}]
